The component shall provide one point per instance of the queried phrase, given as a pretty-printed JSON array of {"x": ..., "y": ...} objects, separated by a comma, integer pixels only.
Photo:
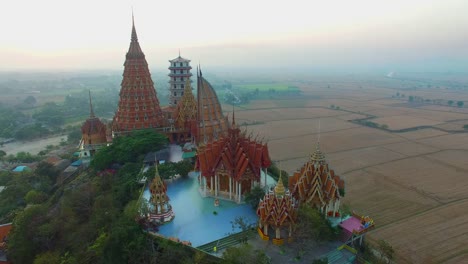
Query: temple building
[
  {"x": 212, "y": 124},
  {"x": 179, "y": 74},
  {"x": 138, "y": 105},
  {"x": 316, "y": 185},
  {"x": 93, "y": 134},
  {"x": 231, "y": 165},
  {"x": 160, "y": 209},
  {"x": 277, "y": 211}
]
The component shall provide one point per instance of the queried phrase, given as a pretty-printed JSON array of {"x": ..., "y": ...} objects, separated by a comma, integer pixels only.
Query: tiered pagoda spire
[
  {"x": 138, "y": 105},
  {"x": 93, "y": 133},
  {"x": 161, "y": 210},
  {"x": 316, "y": 185},
  {"x": 212, "y": 123},
  {"x": 179, "y": 73},
  {"x": 186, "y": 111}
]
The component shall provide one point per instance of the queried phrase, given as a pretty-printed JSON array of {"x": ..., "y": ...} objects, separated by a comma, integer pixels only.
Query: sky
[{"x": 411, "y": 35}]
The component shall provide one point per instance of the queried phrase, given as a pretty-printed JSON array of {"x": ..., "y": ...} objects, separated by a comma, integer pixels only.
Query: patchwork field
[{"x": 414, "y": 184}]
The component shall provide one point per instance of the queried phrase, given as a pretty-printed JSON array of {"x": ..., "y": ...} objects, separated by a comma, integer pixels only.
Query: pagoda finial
[
  {"x": 279, "y": 188},
  {"x": 179, "y": 52},
  {"x": 134, "y": 34},
  {"x": 233, "y": 117},
  {"x": 91, "y": 111}
]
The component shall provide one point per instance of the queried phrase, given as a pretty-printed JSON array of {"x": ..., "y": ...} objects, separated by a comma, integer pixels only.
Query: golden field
[{"x": 414, "y": 184}]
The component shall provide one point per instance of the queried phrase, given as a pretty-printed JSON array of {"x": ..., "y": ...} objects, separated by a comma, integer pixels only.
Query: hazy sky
[{"x": 95, "y": 34}]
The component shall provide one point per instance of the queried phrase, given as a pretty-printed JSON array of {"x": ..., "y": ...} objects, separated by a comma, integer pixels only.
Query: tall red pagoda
[
  {"x": 138, "y": 105},
  {"x": 231, "y": 165}
]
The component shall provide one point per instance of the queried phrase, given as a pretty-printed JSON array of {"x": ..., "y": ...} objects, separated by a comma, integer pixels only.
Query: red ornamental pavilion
[
  {"x": 138, "y": 105},
  {"x": 317, "y": 185},
  {"x": 231, "y": 166}
]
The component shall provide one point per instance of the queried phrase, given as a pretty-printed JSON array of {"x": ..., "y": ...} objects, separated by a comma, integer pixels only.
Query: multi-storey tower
[
  {"x": 138, "y": 105},
  {"x": 179, "y": 73}
]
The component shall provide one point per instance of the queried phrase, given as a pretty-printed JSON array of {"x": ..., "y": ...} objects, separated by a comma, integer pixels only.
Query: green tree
[
  {"x": 460, "y": 103},
  {"x": 35, "y": 197},
  {"x": 411, "y": 98},
  {"x": 2, "y": 155},
  {"x": 465, "y": 126},
  {"x": 48, "y": 257},
  {"x": 450, "y": 102},
  {"x": 311, "y": 224},
  {"x": 253, "y": 197}
]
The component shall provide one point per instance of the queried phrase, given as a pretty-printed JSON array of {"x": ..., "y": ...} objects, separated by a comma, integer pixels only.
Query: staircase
[{"x": 227, "y": 242}]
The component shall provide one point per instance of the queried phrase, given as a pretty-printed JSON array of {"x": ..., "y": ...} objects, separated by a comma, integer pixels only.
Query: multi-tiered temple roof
[
  {"x": 138, "y": 105},
  {"x": 236, "y": 154},
  {"x": 278, "y": 210},
  {"x": 212, "y": 123},
  {"x": 316, "y": 185}
]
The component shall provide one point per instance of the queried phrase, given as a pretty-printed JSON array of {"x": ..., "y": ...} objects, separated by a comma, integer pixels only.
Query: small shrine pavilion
[
  {"x": 316, "y": 185},
  {"x": 278, "y": 210},
  {"x": 160, "y": 209}
]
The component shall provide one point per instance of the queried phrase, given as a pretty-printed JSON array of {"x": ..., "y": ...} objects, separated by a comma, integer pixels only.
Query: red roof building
[
  {"x": 316, "y": 185},
  {"x": 138, "y": 105},
  {"x": 230, "y": 166}
]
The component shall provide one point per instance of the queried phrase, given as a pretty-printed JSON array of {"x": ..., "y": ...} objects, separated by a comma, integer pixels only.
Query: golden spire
[{"x": 279, "y": 188}]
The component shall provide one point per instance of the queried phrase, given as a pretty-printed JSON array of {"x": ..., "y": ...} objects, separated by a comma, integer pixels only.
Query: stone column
[
  {"x": 278, "y": 233},
  {"x": 240, "y": 192},
  {"x": 211, "y": 184},
  {"x": 216, "y": 185},
  {"x": 265, "y": 229},
  {"x": 230, "y": 188}
]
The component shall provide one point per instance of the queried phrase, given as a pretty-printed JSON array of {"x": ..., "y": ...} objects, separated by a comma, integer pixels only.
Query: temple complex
[
  {"x": 93, "y": 134},
  {"x": 138, "y": 105},
  {"x": 316, "y": 185},
  {"x": 231, "y": 165},
  {"x": 179, "y": 73},
  {"x": 277, "y": 211},
  {"x": 212, "y": 124},
  {"x": 160, "y": 209}
]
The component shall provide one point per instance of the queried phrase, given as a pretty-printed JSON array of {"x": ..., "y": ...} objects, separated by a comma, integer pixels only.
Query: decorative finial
[
  {"x": 91, "y": 111},
  {"x": 233, "y": 117},
  {"x": 318, "y": 140},
  {"x": 279, "y": 188},
  {"x": 179, "y": 52},
  {"x": 134, "y": 34}
]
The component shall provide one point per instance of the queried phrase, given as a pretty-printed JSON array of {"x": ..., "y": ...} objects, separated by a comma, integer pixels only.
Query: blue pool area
[{"x": 194, "y": 219}]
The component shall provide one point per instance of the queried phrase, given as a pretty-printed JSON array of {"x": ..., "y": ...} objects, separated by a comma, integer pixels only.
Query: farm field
[{"x": 412, "y": 183}]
